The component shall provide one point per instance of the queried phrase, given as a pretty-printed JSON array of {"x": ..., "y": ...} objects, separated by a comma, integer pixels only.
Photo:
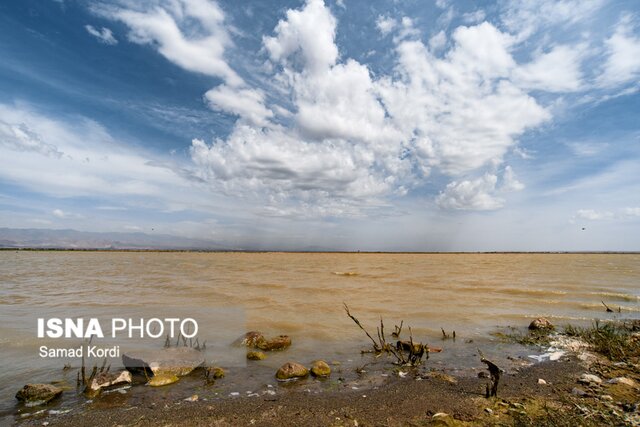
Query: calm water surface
[{"x": 302, "y": 295}]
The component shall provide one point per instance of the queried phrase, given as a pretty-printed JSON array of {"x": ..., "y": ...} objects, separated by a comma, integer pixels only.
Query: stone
[
  {"x": 541, "y": 381},
  {"x": 488, "y": 411},
  {"x": 108, "y": 380},
  {"x": 579, "y": 392},
  {"x": 623, "y": 380},
  {"x": 215, "y": 372},
  {"x": 606, "y": 398},
  {"x": 291, "y": 370},
  {"x": 162, "y": 379},
  {"x": 179, "y": 361},
  {"x": 256, "y": 355},
  {"x": 281, "y": 342},
  {"x": 251, "y": 339},
  {"x": 589, "y": 379},
  {"x": 320, "y": 368},
  {"x": 540, "y": 324},
  {"x": 38, "y": 394}
]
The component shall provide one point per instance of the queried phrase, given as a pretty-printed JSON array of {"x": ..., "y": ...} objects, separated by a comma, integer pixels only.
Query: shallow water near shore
[{"x": 301, "y": 295}]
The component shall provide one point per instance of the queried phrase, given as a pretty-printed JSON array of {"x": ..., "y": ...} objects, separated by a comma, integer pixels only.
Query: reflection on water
[{"x": 302, "y": 294}]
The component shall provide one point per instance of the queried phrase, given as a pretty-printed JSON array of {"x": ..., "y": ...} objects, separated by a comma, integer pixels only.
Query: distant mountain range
[{"x": 72, "y": 239}]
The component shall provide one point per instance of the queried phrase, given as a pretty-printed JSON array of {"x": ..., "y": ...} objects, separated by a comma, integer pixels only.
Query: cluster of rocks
[
  {"x": 166, "y": 366},
  {"x": 259, "y": 343},
  {"x": 295, "y": 370}
]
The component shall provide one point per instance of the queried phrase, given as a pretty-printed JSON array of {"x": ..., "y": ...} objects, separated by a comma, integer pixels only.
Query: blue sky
[{"x": 351, "y": 125}]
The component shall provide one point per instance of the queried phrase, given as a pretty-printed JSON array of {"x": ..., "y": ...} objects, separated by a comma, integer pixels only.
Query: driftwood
[
  {"x": 494, "y": 371},
  {"x": 416, "y": 351},
  {"x": 607, "y": 307}
]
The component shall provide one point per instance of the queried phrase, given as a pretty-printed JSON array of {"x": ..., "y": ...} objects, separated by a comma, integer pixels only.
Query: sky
[{"x": 431, "y": 125}]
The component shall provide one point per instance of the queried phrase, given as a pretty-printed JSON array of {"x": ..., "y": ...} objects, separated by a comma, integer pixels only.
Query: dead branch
[
  {"x": 375, "y": 344},
  {"x": 607, "y": 307},
  {"x": 494, "y": 371}
]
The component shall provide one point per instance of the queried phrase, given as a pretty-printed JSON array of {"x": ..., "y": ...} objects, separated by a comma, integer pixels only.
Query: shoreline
[
  {"x": 550, "y": 392},
  {"x": 250, "y": 251}
]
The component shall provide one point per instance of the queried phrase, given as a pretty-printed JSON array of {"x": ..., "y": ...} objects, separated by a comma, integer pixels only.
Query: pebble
[
  {"x": 488, "y": 411},
  {"x": 589, "y": 379},
  {"x": 606, "y": 397},
  {"x": 541, "y": 381},
  {"x": 193, "y": 398},
  {"x": 578, "y": 392},
  {"x": 234, "y": 393},
  {"x": 623, "y": 380}
]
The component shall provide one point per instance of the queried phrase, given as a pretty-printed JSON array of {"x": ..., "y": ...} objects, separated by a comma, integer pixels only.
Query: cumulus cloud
[
  {"x": 104, "y": 35},
  {"x": 332, "y": 133},
  {"x": 623, "y": 55},
  {"x": 307, "y": 34},
  {"x": 59, "y": 213},
  {"x": 357, "y": 138},
  {"x": 243, "y": 102},
  {"x": 476, "y": 194}
]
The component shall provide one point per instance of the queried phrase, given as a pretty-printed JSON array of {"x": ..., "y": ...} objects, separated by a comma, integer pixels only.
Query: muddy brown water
[{"x": 301, "y": 295}]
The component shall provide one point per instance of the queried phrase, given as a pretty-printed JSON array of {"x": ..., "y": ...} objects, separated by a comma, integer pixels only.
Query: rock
[
  {"x": 488, "y": 411},
  {"x": 193, "y": 398},
  {"x": 623, "y": 380},
  {"x": 177, "y": 361},
  {"x": 540, "y": 324},
  {"x": 106, "y": 380},
  {"x": 320, "y": 368},
  {"x": 215, "y": 372},
  {"x": 281, "y": 342},
  {"x": 291, "y": 370},
  {"x": 442, "y": 377},
  {"x": 251, "y": 339},
  {"x": 161, "y": 379},
  {"x": 589, "y": 379},
  {"x": 541, "y": 381},
  {"x": 579, "y": 392},
  {"x": 256, "y": 355},
  {"x": 38, "y": 394},
  {"x": 606, "y": 397}
]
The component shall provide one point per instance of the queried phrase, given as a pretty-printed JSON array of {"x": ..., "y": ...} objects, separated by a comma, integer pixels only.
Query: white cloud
[
  {"x": 476, "y": 194},
  {"x": 104, "y": 35},
  {"x": 474, "y": 17},
  {"x": 58, "y": 213},
  {"x": 386, "y": 24},
  {"x": 189, "y": 33},
  {"x": 356, "y": 139},
  {"x": 243, "y": 102},
  {"x": 527, "y": 17},
  {"x": 18, "y": 136},
  {"x": 623, "y": 55},
  {"x": 510, "y": 182},
  {"x": 555, "y": 71},
  {"x": 633, "y": 212},
  {"x": 438, "y": 41},
  {"x": 309, "y": 33},
  {"x": 593, "y": 215},
  {"x": 93, "y": 164}
]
